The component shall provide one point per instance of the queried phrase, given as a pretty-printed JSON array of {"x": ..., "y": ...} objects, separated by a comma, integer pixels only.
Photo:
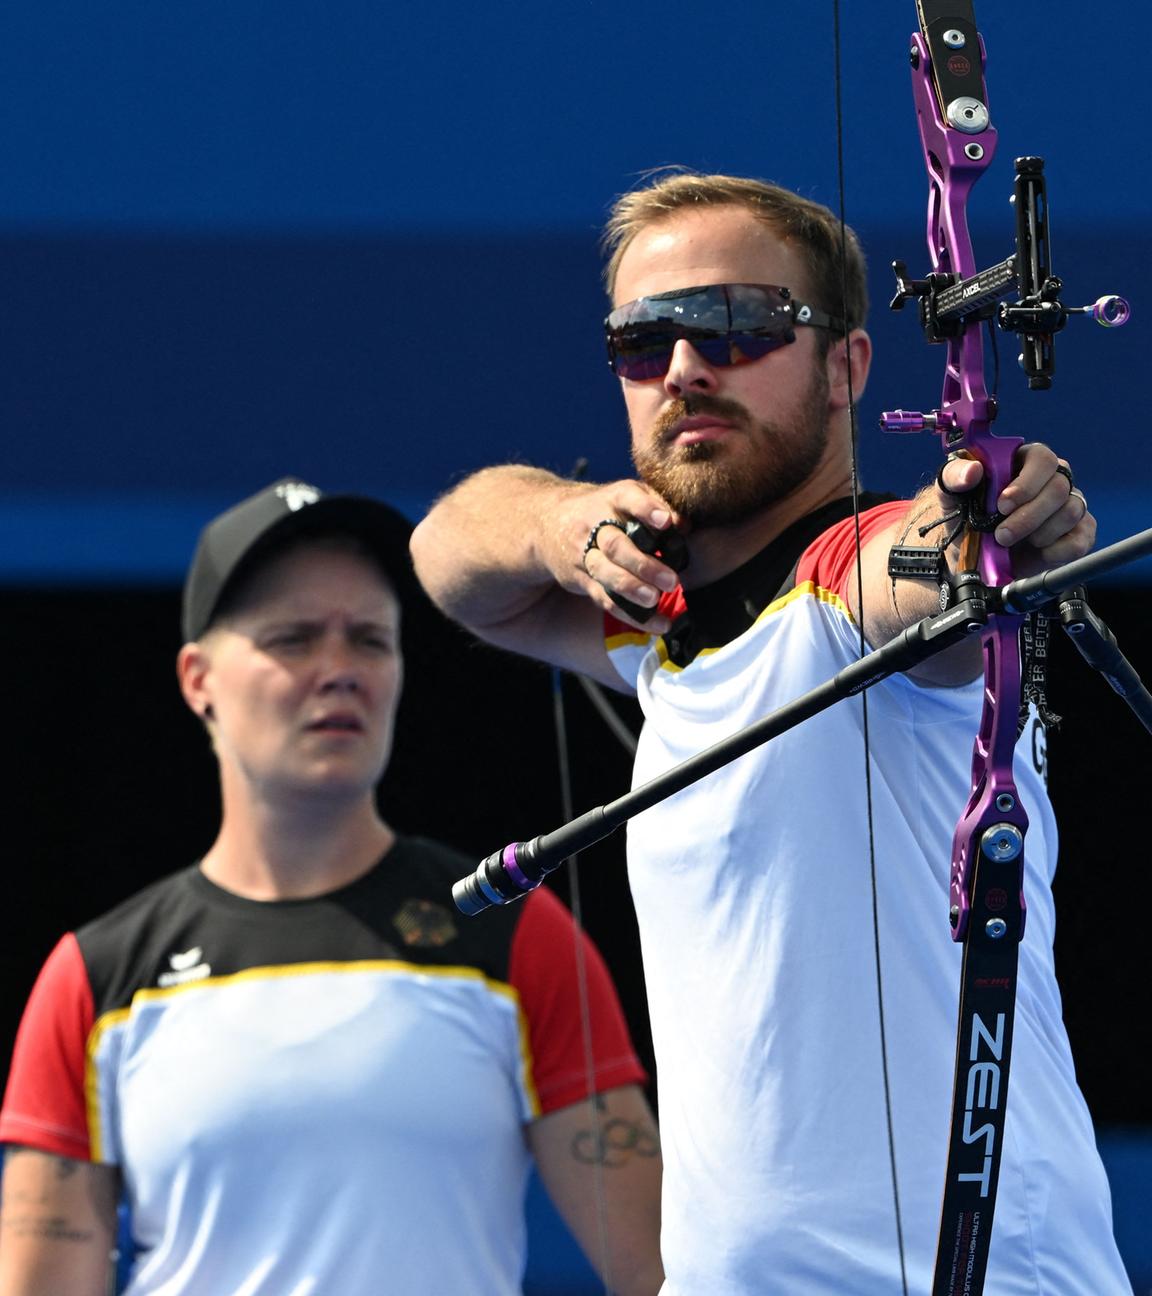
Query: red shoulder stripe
[
  {"x": 543, "y": 970},
  {"x": 44, "y": 1106},
  {"x": 830, "y": 559}
]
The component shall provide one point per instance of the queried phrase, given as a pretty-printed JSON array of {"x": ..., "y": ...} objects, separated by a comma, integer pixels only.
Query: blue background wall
[{"x": 358, "y": 243}]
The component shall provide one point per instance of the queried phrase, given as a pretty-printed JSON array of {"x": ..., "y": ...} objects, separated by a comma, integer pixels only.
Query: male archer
[{"x": 739, "y": 355}]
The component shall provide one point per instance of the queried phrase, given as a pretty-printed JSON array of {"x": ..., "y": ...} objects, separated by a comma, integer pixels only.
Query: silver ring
[{"x": 594, "y": 535}]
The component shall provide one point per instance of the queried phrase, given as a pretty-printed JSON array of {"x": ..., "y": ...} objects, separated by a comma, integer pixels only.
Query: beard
[{"x": 710, "y": 486}]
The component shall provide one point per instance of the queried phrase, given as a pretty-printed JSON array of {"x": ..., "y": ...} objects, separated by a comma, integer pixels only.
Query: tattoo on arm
[
  {"x": 32, "y": 1210},
  {"x": 50, "y": 1228},
  {"x": 614, "y": 1140}
]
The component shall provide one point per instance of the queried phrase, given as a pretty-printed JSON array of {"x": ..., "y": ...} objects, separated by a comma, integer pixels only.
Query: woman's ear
[{"x": 193, "y": 663}]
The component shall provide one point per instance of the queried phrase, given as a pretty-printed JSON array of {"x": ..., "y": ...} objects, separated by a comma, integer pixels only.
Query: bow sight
[{"x": 949, "y": 302}]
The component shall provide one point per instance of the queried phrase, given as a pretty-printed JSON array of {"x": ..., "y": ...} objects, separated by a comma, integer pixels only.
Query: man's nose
[{"x": 689, "y": 371}]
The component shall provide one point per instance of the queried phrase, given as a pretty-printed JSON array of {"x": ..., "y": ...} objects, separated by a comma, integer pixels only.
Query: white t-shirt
[
  {"x": 316, "y": 1097},
  {"x": 753, "y": 893}
]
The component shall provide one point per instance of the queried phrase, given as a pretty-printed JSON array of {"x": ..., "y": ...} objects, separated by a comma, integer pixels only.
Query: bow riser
[{"x": 955, "y": 160}]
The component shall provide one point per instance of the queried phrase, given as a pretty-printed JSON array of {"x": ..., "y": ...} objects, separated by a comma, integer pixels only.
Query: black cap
[{"x": 233, "y": 544}]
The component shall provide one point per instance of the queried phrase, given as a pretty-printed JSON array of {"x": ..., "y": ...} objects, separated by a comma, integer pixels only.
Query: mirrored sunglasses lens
[
  {"x": 642, "y": 358},
  {"x": 646, "y": 357},
  {"x": 717, "y": 350},
  {"x": 726, "y": 323},
  {"x": 758, "y": 308},
  {"x": 754, "y": 346}
]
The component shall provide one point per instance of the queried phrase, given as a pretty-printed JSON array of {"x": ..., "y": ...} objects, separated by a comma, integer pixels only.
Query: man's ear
[
  {"x": 853, "y": 352},
  {"x": 192, "y": 666}
]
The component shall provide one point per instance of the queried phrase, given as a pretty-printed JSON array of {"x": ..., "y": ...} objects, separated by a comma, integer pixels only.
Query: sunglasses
[{"x": 729, "y": 324}]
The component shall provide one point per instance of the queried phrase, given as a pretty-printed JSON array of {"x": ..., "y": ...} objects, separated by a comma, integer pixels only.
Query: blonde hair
[{"x": 837, "y": 282}]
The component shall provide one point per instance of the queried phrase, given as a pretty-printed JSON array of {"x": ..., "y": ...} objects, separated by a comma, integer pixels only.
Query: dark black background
[{"x": 111, "y": 783}]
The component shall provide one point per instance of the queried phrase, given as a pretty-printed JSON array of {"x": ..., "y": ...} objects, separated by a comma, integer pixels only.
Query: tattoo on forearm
[
  {"x": 50, "y": 1228},
  {"x": 39, "y": 1205},
  {"x": 614, "y": 1141}
]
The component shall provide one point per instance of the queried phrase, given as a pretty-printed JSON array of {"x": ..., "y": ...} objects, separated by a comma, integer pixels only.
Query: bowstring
[
  {"x": 854, "y": 430},
  {"x": 568, "y": 812}
]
